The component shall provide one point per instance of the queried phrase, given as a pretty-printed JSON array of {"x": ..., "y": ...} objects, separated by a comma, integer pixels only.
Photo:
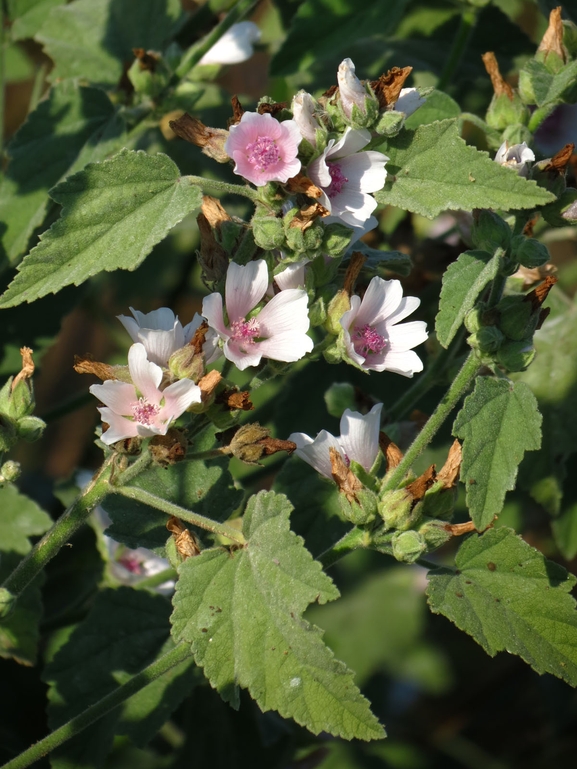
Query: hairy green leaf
[
  {"x": 547, "y": 87},
  {"x": 241, "y": 613},
  {"x": 113, "y": 214},
  {"x": 439, "y": 106},
  {"x": 93, "y": 39},
  {"x": 20, "y": 518},
  {"x": 431, "y": 169},
  {"x": 47, "y": 148},
  {"x": 341, "y": 23},
  {"x": 509, "y": 597},
  {"x": 125, "y": 631},
  {"x": 463, "y": 281},
  {"x": 28, "y": 16},
  {"x": 498, "y": 423}
]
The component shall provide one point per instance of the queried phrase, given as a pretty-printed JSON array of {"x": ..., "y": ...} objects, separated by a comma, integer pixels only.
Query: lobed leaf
[
  {"x": 431, "y": 169},
  {"x": 498, "y": 423},
  {"x": 509, "y": 597},
  {"x": 463, "y": 281},
  {"x": 113, "y": 214},
  {"x": 241, "y": 613}
]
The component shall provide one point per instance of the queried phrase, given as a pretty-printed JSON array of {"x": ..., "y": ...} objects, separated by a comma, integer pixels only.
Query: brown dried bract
[
  {"x": 271, "y": 109},
  {"x": 237, "y": 111},
  {"x": 561, "y": 159},
  {"x": 500, "y": 86},
  {"x": 238, "y": 400},
  {"x": 27, "y": 367},
  {"x": 214, "y": 211},
  {"x": 528, "y": 228},
  {"x": 185, "y": 541},
  {"x": 212, "y": 257},
  {"x": 458, "y": 529},
  {"x": 388, "y": 87},
  {"x": 168, "y": 449},
  {"x": 306, "y": 216},
  {"x": 353, "y": 270},
  {"x": 532, "y": 275},
  {"x": 449, "y": 473},
  {"x": 301, "y": 183},
  {"x": 272, "y": 445},
  {"x": 210, "y": 140},
  {"x": 198, "y": 339},
  {"x": 85, "y": 365},
  {"x": 330, "y": 92},
  {"x": 552, "y": 41},
  {"x": 346, "y": 480},
  {"x": 147, "y": 60},
  {"x": 539, "y": 294},
  {"x": 421, "y": 484},
  {"x": 392, "y": 452},
  {"x": 209, "y": 383}
]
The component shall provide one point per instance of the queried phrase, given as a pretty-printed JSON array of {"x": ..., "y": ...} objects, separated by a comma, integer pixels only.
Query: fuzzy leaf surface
[
  {"x": 463, "y": 281},
  {"x": 431, "y": 169},
  {"x": 509, "y": 597},
  {"x": 45, "y": 149},
  {"x": 92, "y": 39},
  {"x": 27, "y": 16},
  {"x": 547, "y": 87},
  {"x": 20, "y": 518},
  {"x": 241, "y": 613},
  {"x": 498, "y": 423},
  {"x": 113, "y": 214}
]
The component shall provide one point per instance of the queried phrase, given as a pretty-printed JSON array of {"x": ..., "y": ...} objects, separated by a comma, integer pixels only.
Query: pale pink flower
[
  {"x": 346, "y": 176},
  {"x": 142, "y": 408},
  {"x": 515, "y": 156},
  {"x": 358, "y": 441},
  {"x": 293, "y": 276},
  {"x": 263, "y": 149},
  {"x": 372, "y": 338},
  {"x": 304, "y": 110},
  {"x": 234, "y": 46},
  {"x": 409, "y": 101},
  {"x": 351, "y": 90},
  {"x": 279, "y": 331},
  {"x": 160, "y": 331}
]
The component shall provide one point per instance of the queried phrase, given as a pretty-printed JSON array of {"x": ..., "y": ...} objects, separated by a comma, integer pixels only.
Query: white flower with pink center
[
  {"x": 347, "y": 176},
  {"x": 160, "y": 331},
  {"x": 358, "y": 441},
  {"x": 279, "y": 331},
  {"x": 263, "y": 149},
  {"x": 142, "y": 408},
  {"x": 372, "y": 338}
]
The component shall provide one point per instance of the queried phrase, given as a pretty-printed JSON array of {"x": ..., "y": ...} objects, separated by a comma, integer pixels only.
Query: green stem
[
  {"x": 143, "y": 461},
  {"x": 216, "y": 186},
  {"x": 156, "y": 579},
  {"x": 352, "y": 540},
  {"x": 68, "y": 523},
  {"x": 140, "y": 495},
  {"x": 453, "y": 396},
  {"x": 2, "y": 78},
  {"x": 209, "y": 454},
  {"x": 466, "y": 26},
  {"x": 77, "y": 724},
  {"x": 263, "y": 376},
  {"x": 196, "y": 52}
]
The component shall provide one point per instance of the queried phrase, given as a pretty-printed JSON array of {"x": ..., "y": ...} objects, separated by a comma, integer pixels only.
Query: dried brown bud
[
  {"x": 210, "y": 140},
  {"x": 271, "y": 109},
  {"x": 27, "y": 367},
  {"x": 212, "y": 257},
  {"x": 245, "y": 443},
  {"x": 353, "y": 270},
  {"x": 214, "y": 211},
  {"x": 392, "y": 452},
  {"x": 85, "y": 365},
  {"x": 421, "y": 484},
  {"x": 552, "y": 41},
  {"x": 561, "y": 159},
  {"x": 388, "y": 87},
  {"x": 539, "y": 294},
  {"x": 237, "y": 400},
  {"x": 500, "y": 85},
  {"x": 237, "y": 111},
  {"x": 458, "y": 529},
  {"x": 168, "y": 449},
  {"x": 274, "y": 445},
  {"x": 449, "y": 473},
  {"x": 306, "y": 216},
  {"x": 185, "y": 541},
  {"x": 147, "y": 60},
  {"x": 346, "y": 480},
  {"x": 208, "y": 384},
  {"x": 301, "y": 183}
]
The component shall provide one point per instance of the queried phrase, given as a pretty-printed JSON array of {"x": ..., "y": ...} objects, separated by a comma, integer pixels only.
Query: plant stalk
[
  {"x": 77, "y": 724},
  {"x": 466, "y": 26},
  {"x": 216, "y": 186}
]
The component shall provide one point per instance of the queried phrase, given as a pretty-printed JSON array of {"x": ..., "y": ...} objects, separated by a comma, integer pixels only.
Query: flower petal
[
  {"x": 118, "y": 396},
  {"x": 177, "y": 398},
  {"x": 118, "y": 427},
  {"x": 293, "y": 276},
  {"x": 408, "y": 305},
  {"x": 382, "y": 298},
  {"x": 316, "y": 453},
  {"x": 360, "y": 435},
  {"x": 353, "y": 140},
  {"x": 405, "y": 363},
  {"x": 245, "y": 287},
  {"x": 288, "y": 346},
  {"x": 241, "y": 359},
  {"x": 285, "y": 312},
  {"x": 146, "y": 376},
  {"x": 407, "y": 335},
  {"x": 212, "y": 311}
]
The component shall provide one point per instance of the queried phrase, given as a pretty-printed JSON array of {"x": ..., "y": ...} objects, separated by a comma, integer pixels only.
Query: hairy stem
[
  {"x": 216, "y": 186},
  {"x": 77, "y": 724},
  {"x": 140, "y": 495},
  {"x": 68, "y": 523}
]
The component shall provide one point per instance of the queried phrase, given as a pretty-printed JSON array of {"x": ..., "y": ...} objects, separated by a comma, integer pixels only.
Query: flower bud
[
  {"x": 337, "y": 239},
  {"x": 340, "y": 396},
  {"x": 390, "y": 123},
  {"x": 268, "y": 232},
  {"x": 439, "y": 501},
  {"x": 186, "y": 363},
  {"x": 549, "y": 177},
  {"x": 408, "y": 546},
  {"x": 7, "y": 602},
  {"x": 434, "y": 533},
  {"x": 551, "y": 51},
  {"x": 504, "y": 111},
  {"x": 398, "y": 510},
  {"x": 339, "y": 304},
  {"x": 245, "y": 444},
  {"x": 318, "y": 312},
  {"x": 474, "y": 318},
  {"x": 516, "y": 133},
  {"x": 529, "y": 252},
  {"x": 10, "y": 471},
  {"x": 17, "y": 394},
  {"x": 359, "y": 106},
  {"x": 30, "y": 428},
  {"x": 8, "y": 434},
  {"x": 303, "y": 239},
  {"x": 490, "y": 231},
  {"x": 304, "y": 109},
  {"x": 563, "y": 211},
  {"x": 486, "y": 340},
  {"x": 515, "y": 317},
  {"x": 148, "y": 73},
  {"x": 516, "y": 356},
  {"x": 362, "y": 509}
]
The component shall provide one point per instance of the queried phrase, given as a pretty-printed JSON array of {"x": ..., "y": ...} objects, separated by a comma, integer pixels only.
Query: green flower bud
[
  {"x": 549, "y": 178},
  {"x": 408, "y": 546},
  {"x": 487, "y": 340},
  {"x": 30, "y": 428},
  {"x": 434, "y": 534},
  {"x": 398, "y": 510},
  {"x": 268, "y": 232},
  {"x": 516, "y": 316},
  {"x": 529, "y": 252},
  {"x": 562, "y": 211},
  {"x": 303, "y": 240},
  {"x": 339, "y": 304},
  {"x": 517, "y": 134},
  {"x": 8, "y": 434},
  {"x": 475, "y": 319},
  {"x": 570, "y": 37},
  {"x": 526, "y": 87},
  {"x": 490, "y": 232},
  {"x": 390, "y": 123},
  {"x": 504, "y": 111},
  {"x": 337, "y": 238},
  {"x": 187, "y": 364},
  {"x": 516, "y": 356},
  {"x": 340, "y": 396},
  {"x": 10, "y": 471},
  {"x": 318, "y": 312},
  {"x": 333, "y": 354},
  {"x": 553, "y": 62},
  {"x": 148, "y": 73},
  {"x": 7, "y": 602},
  {"x": 361, "y": 512}
]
